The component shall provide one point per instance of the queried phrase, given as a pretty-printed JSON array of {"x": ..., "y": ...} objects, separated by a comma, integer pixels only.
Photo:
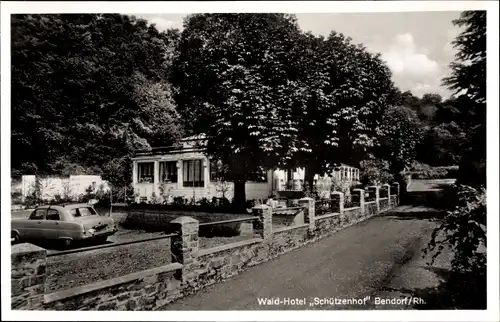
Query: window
[
  {"x": 145, "y": 172},
  {"x": 82, "y": 212},
  {"x": 93, "y": 185},
  {"x": 193, "y": 173},
  {"x": 53, "y": 214},
  {"x": 168, "y": 171},
  {"x": 38, "y": 214}
]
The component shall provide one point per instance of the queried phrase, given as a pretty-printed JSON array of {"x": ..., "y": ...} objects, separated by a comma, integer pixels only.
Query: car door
[
  {"x": 33, "y": 227},
  {"x": 52, "y": 224}
]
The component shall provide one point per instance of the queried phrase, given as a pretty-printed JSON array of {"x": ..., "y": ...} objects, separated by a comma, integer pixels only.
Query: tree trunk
[
  {"x": 239, "y": 194},
  {"x": 238, "y": 174},
  {"x": 289, "y": 181},
  {"x": 309, "y": 173}
]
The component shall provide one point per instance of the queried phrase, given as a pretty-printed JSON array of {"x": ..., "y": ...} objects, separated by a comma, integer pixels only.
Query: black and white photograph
[{"x": 225, "y": 161}]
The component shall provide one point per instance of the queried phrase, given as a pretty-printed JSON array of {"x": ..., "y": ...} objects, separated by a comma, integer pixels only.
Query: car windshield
[{"x": 83, "y": 212}]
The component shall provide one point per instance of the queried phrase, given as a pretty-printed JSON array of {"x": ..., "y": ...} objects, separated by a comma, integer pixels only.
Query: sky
[{"x": 415, "y": 45}]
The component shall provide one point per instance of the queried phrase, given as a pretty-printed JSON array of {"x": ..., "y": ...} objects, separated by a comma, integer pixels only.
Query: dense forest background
[{"x": 89, "y": 90}]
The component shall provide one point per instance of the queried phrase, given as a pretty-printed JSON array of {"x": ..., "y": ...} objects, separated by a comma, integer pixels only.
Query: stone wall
[
  {"x": 218, "y": 263},
  {"x": 144, "y": 290},
  {"x": 192, "y": 268},
  {"x": 327, "y": 223},
  {"x": 353, "y": 215},
  {"x": 287, "y": 239},
  {"x": 371, "y": 209},
  {"x": 384, "y": 204},
  {"x": 28, "y": 276}
]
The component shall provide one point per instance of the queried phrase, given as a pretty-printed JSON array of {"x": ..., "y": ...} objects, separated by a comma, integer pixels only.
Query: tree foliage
[
  {"x": 82, "y": 87},
  {"x": 344, "y": 90},
  {"x": 236, "y": 79},
  {"x": 268, "y": 95},
  {"x": 401, "y": 132},
  {"x": 463, "y": 229},
  {"x": 468, "y": 78}
]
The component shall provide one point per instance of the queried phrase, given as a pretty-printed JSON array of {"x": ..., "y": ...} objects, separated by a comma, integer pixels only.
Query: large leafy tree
[
  {"x": 82, "y": 88},
  {"x": 441, "y": 145},
  {"x": 236, "y": 78},
  {"x": 463, "y": 228},
  {"x": 344, "y": 91},
  {"x": 468, "y": 79},
  {"x": 401, "y": 132}
]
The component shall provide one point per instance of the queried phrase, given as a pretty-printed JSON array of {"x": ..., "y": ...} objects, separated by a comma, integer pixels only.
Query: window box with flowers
[{"x": 145, "y": 172}]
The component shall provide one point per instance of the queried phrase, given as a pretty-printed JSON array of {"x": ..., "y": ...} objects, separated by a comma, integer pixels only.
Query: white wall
[
  {"x": 53, "y": 186},
  {"x": 280, "y": 178},
  {"x": 253, "y": 190},
  {"x": 257, "y": 190}
]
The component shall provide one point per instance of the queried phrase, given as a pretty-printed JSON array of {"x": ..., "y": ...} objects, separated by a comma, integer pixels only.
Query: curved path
[{"x": 356, "y": 263}]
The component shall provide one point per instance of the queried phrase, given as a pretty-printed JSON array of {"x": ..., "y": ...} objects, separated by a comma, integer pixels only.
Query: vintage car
[{"x": 66, "y": 223}]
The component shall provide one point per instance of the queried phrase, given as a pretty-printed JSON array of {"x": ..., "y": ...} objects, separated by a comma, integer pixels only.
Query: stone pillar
[
  {"x": 264, "y": 225},
  {"x": 388, "y": 188},
  {"x": 395, "y": 185},
  {"x": 308, "y": 203},
  {"x": 28, "y": 273},
  {"x": 376, "y": 191},
  {"x": 206, "y": 172},
  {"x": 180, "y": 178},
  {"x": 360, "y": 195},
  {"x": 134, "y": 173},
  {"x": 184, "y": 246},
  {"x": 156, "y": 178},
  {"x": 338, "y": 198}
]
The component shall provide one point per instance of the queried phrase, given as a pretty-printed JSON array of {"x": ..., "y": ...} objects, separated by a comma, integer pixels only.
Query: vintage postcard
[{"x": 255, "y": 161}]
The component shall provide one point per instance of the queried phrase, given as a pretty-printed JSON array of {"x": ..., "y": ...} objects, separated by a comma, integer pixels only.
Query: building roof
[{"x": 187, "y": 144}]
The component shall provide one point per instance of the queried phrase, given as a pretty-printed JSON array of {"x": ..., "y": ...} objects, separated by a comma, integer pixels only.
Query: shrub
[
  {"x": 375, "y": 172},
  {"x": 17, "y": 197},
  {"x": 155, "y": 200},
  {"x": 179, "y": 201},
  {"x": 30, "y": 201},
  {"x": 343, "y": 186},
  {"x": 464, "y": 228},
  {"x": 417, "y": 166},
  {"x": 463, "y": 231}
]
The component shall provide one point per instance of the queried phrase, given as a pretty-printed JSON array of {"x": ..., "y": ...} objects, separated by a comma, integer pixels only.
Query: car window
[
  {"x": 83, "y": 212},
  {"x": 38, "y": 214},
  {"x": 53, "y": 214}
]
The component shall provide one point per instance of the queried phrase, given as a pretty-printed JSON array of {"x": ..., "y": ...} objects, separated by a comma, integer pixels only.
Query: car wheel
[
  {"x": 101, "y": 240},
  {"x": 67, "y": 243},
  {"x": 16, "y": 237}
]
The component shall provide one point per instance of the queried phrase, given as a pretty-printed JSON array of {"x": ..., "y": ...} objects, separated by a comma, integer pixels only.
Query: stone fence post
[
  {"x": 387, "y": 187},
  {"x": 309, "y": 204},
  {"x": 338, "y": 198},
  {"x": 264, "y": 225},
  {"x": 360, "y": 195},
  {"x": 376, "y": 191},
  {"x": 28, "y": 274},
  {"x": 395, "y": 186},
  {"x": 184, "y": 247}
]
